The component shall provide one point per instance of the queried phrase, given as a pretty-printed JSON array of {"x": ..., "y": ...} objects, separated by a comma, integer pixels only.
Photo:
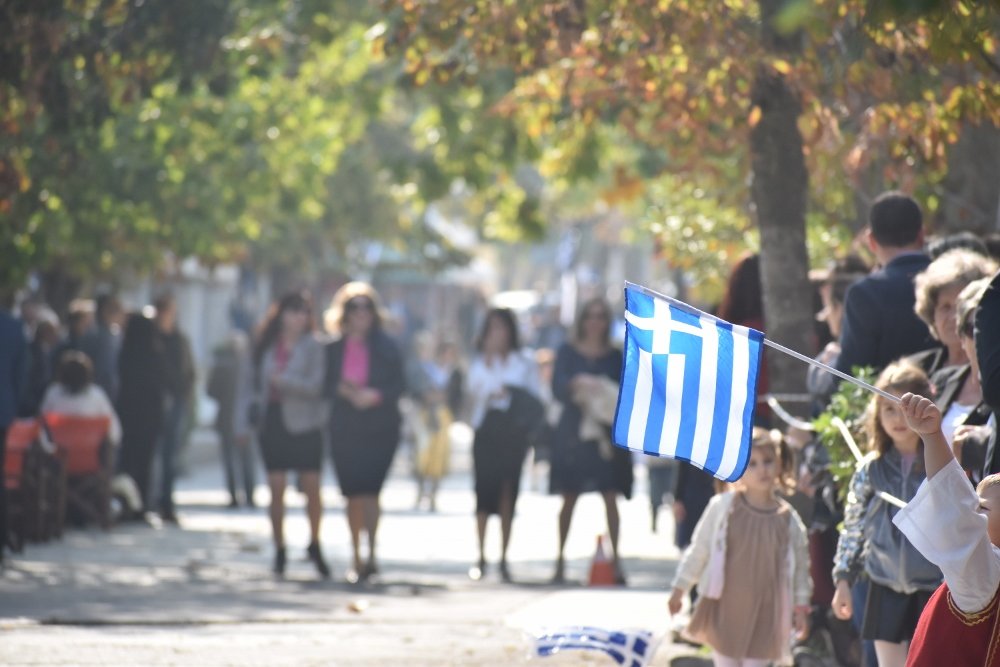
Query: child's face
[
  {"x": 890, "y": 415},
  {"x": 989, "y": 506},
  {"x": 762, "y": 471}
]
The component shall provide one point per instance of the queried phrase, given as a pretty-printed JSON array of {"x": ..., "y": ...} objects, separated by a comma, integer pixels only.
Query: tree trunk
[
  {"x": 780, "y": 190},
  {"x": 971, "y": 190}
]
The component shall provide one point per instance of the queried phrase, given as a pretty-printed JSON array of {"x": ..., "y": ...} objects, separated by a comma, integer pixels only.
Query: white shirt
[
  {"x": 516, "y": 369},
  {"x": 944, "y": 524},
  {"x": 91, "y": 402},
  {"x": 953, "y": 418}
]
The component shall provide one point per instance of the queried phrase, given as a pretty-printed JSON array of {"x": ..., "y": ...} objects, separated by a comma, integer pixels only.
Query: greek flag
[
  {"x": 632, "y": 648},
  {"x": 688, "y": 385}
]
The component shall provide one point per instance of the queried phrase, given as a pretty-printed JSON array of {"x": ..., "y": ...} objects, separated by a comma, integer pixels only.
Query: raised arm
[
  {"x": 943, "y": 520},
  {"x": 924, "y": 417}
]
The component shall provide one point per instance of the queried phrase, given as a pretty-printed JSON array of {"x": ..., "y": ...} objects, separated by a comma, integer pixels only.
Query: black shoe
[
  {"x": 505, "y": 573},
  {"x": 279, "y": 561},
  {"x": 559, "y": 577},
  {"x": 168, "y": 516},
  {"x": 316, "y": 556},
  {"x": 620, "y": 579}
]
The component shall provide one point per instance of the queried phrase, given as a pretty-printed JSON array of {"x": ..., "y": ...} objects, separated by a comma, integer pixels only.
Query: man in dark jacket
[
  {"x": 880, "y": 324},
  {"x": 13, "y": 357},
  {"x": 988, "y": 353},
  {"x": 107, "y": 342},
  {"x": 179, "y": 384}
]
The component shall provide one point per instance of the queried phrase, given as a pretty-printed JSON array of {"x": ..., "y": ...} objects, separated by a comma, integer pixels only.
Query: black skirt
[
  {"x": 891, "y": 616},
  {"x": 498, "y": 454},
  {"x": 362, "y": 452},
  {"x": 283, "y": 450}
]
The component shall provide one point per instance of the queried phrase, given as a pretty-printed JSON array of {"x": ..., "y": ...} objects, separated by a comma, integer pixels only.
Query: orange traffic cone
[{"x": 602, "y": 571}]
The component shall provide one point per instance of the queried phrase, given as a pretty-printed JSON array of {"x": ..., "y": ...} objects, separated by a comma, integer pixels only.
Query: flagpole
[
  {"x": 831, "y": 369},
  {"x": 780, "y": 348},
  {"x": 845, "y": 432}
]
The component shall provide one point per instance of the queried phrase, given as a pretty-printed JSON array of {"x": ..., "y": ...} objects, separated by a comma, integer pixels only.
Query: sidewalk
[{"x": 203, "y": 594}]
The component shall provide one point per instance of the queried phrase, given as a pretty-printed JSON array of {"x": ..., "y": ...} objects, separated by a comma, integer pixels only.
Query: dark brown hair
[
  {"x": 581, "y": 317},
  {"x": 895, "y": 220},
  {"x": 75, "y": 371},
  {"x": 507, "y": 318},
  {"x": 743, "y": 301},
  {"x": 270, "y": 329}
]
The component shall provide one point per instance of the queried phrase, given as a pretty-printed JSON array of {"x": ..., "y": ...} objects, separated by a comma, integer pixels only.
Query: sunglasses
[{"x": 359, "y": 304}]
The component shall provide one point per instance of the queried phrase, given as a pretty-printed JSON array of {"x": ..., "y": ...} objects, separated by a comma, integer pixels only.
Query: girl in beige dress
[{"x": 749, "y": 557}]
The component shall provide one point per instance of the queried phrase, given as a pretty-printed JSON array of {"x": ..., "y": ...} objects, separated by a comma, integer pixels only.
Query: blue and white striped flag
[
  {"x": 631, "y": 648},
  {"x": 688, "y": 385}
]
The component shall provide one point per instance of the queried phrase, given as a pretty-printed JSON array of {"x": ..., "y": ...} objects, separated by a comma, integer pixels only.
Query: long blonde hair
[{"x": 336, "y": 315}]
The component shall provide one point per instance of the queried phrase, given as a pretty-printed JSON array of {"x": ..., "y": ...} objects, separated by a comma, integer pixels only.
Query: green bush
[{"x": 850, "y": 402}]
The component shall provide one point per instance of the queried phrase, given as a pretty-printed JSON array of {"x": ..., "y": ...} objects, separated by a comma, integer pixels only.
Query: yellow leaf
[
  {"x": 782, "y": 66},
  {"x": 754, "y": 117}
]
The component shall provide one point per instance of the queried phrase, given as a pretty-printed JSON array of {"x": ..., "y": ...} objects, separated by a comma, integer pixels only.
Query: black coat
[
  {"x": 948, "y": 382},
  {"x": 988, "y": 353},
  {"x": 880, "y": 325},
  {"x": 385, "y": 374},
  {"x": 142, "y": 381}
]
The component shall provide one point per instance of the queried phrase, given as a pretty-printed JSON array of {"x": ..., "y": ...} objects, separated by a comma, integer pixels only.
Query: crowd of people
[
  {"x": 783, "y": 547},
  {"x": 785, "y": 543},
  {"x": 135, "y": 370},
  {"x": 341, "y": 385}
]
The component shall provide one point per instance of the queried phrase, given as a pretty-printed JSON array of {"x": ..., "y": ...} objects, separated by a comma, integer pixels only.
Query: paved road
[{"x": 202, "y": 594}]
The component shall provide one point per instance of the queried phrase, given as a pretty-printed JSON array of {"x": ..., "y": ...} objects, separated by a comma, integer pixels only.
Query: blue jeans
[{"x": 174, "y": 422}]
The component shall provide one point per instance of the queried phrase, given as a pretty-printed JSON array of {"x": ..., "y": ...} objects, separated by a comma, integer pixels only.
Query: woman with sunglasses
[
  {"x": 289, "y": 413},
  {"x": 585, "y": 460},
  {"x": 965, "y": 415},
  {"x": 364, "y": 379}
]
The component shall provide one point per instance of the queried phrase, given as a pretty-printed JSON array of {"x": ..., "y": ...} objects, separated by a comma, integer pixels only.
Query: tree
[
  {"x": 223, "y": 130},
  {"x": 768, "y": 91}
]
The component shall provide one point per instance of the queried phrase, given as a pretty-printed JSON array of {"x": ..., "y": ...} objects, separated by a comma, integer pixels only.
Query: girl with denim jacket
[
  {"x": 749, "y": 556},
  {"x": 901, "y": 580}
]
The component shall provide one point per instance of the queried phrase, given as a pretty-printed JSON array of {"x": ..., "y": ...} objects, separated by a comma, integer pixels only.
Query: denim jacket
[{"x": 869, "y": 541}]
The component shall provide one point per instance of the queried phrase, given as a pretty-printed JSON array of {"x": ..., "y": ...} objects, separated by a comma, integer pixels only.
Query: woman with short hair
[
  {"x": 937, "y": 289},
  {"x": 74, "y": 392},
  {"x": 966, "y": 419}
]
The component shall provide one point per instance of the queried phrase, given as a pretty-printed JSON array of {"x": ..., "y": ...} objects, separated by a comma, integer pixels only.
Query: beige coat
[{"x": 304, "y": 408}]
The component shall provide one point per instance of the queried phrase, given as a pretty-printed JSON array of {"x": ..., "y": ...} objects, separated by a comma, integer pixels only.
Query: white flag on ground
[{"x": 631, "y": 648}]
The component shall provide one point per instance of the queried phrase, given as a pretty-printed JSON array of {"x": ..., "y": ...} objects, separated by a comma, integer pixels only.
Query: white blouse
[
  {"x": 91, "y": 402},
  {"x": 944, "y": 524},
  {"x": 485, "y": 380},
  {"x": 954, "y": 418}
]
